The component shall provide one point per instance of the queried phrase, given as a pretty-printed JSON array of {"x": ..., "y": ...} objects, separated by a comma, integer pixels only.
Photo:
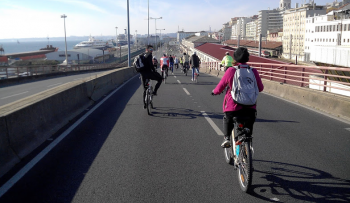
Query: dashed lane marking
[
  {"x": 186, "y": 91},
  {"x": 174, "y": 76},
  {"x": 14, "y": 95},
  {"x": 179, "y": 81},
  {"x": 213, "y": 125}
]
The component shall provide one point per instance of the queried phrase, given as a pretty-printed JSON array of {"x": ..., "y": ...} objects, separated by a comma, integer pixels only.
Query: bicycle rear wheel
[{"x": 245, "y": 165}]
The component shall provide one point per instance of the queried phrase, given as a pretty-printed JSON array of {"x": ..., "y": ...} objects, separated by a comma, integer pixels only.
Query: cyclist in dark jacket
[
  {"x": 194, "y": 64},
  {"x": 149, "y": 72}
]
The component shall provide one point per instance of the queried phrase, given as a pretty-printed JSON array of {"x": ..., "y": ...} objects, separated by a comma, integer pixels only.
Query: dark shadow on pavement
[
  {"x": 58, "y": 176},
  {"x": 289, "y": 182}
]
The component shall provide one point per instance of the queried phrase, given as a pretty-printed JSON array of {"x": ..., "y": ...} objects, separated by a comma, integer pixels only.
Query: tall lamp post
[
  {"x": 136, "y": 38},
  {"x": 116, "y": 35},
  {"x": 65, "y": 39},
  {"x": 160, "y": 38},
  {"x": 155, "y": 28}
]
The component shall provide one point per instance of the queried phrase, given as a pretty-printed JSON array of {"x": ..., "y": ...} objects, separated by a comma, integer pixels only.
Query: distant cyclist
[
  {"x": 164, "y": 65},
  {"x": 176, "y": 62},
  {"x": 149, "y": 72},
  {"x": 181, "y": 63},
  {"x": 194, "y": 63},
  {"x": 155, "y": 62},
  {"x": 230, "y": 108},
  {"x": 186, "y": 60},
  {"x": 227, "y": 61},
  {"x": 171, "y": 62}
]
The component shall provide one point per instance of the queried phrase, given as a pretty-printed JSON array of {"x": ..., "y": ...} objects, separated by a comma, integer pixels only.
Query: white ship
[{"x": 93, "y": 43}]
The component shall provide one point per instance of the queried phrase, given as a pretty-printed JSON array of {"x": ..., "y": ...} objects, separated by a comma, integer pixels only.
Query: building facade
[
  {"x": 294, "y": 27},
  {"x": 239, "y": 29},
  {"x": 181, "y": 35},
  {"x": 327, "y": 38}
]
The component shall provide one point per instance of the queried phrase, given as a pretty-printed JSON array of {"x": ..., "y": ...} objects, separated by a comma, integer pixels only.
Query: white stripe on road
[
  {"x": 213, "y": 125},
  {"x": 54, "y": 85},
  {"x": 186, "y": 91},
  {"x": 35, "y": 160},
  {"x": 174, "y": 76},
  {"x": 178, "y": 81},
  {"x": 14, "y": 95}
]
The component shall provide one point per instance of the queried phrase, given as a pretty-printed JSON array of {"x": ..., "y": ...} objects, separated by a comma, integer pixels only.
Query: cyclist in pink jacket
[{"x": 230, "y": 108}]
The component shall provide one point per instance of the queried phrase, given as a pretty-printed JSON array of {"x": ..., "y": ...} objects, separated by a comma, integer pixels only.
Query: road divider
[{"x": 27, "y": 123}]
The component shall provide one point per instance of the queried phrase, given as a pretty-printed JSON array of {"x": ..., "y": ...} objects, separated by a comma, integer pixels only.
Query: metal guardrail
[
  {"x": 23, "y": 71},
  {"x": 327, "y": 79}
]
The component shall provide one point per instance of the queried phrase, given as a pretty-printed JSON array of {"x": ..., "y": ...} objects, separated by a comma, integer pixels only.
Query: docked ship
[
  {"x": 93, "y": 43},
  {"x": 122, "y": 40}
]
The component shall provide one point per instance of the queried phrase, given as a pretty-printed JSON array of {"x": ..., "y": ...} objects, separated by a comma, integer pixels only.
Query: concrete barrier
[
  {"x": 330, "y": 103},
  {"x": 27, "y": 123}
]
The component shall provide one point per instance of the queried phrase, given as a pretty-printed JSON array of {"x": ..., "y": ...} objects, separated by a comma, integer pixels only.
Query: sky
[{"x": 42, "y": 18}]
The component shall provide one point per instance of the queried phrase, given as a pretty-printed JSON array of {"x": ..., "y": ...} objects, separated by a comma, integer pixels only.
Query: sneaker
[
  {"x": 154, "y": 93},
  {"x": 226, "y": 143},
  {"x": 191, "y": 79}
]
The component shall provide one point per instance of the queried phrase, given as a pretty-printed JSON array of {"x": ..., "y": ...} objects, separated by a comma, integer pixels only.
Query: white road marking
[
  {"x": 54, "y": 85},
  {"x": 35, "y": 160},
  {"x": 179, "y": 81},
  {"x": 186, "y": 91},
  {"x": 213, "y": 125},
  {"x": 174, "y": 76},
  {"x": 14, "y": 95}
]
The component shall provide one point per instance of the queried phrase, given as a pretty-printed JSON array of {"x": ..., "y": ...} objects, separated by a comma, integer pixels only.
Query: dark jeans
[
  {"x": 228, "y": 119},
  {"x": 152, "y": 76}
]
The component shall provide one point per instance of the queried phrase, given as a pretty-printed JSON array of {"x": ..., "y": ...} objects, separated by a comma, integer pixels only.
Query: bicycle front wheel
[
  {"x": 245, "y": 166},
  {"x": 149, "y": 111}
]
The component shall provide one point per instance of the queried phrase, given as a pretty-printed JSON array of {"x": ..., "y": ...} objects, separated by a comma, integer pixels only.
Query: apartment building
[
  {"x": 294, "y": 27},
  {"x": 239, "y": 29},
  {"x": 327, "y": 38},
  {"x": 252, "y": 30},
  {"x": 181, "y": 35}
]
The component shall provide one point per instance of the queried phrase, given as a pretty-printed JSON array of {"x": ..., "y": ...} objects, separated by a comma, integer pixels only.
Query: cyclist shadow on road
[
  {"x": 260, "y": 120},
  {"x": 289, "y": 182},
  {"x": 175, "y": 113}
]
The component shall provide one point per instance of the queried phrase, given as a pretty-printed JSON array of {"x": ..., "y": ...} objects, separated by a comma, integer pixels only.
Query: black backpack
[{"x": 139, "y": 63}]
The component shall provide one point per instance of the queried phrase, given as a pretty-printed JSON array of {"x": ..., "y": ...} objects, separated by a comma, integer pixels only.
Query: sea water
[{"x": 18, "y": 47}]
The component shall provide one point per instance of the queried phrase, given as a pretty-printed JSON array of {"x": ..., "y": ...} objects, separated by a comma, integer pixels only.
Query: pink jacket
[{"x": 227, "y": 79}]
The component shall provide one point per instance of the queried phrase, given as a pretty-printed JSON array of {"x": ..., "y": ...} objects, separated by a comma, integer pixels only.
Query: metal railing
[
  {"x": 32, "y": 70},
  {"x": 327, "y": 79}
]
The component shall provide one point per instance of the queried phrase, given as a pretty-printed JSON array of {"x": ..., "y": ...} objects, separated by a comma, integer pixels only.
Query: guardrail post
[
  {"x": 7, "y": 74},
  {"x": 271, "y": 73},
  {"x": 302, "y": 78},
  {"x": 17, "y": 72},
  {"x": 325, "y": 81},
  {"x": 285, "y": 74}
]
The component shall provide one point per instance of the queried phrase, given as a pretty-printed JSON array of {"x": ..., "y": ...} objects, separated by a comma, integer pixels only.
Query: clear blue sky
[{"x": 42, "y": 18}]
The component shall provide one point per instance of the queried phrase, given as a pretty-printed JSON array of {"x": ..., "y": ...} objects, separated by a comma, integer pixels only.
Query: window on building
[
  {"x": 333, "y": 40},
  {"x": 345, "y": 27},
  {"x": 348, "y": 40}
]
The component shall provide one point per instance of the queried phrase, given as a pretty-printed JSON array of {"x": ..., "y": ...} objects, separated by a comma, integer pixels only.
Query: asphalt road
[
  {"x": 15, "y": 92},
  {"x": 121, "y": 154}
]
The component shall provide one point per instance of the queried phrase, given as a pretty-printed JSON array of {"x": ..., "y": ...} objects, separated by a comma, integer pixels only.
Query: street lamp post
[
  {"x": 116, "y": 35},
  {"x": 65, "y": 39},
  {"x": 129, "y": 62},
  {"x": 136, "y": 38},
  {"x": 155, "y": 28},
  {"x": 160, "y": 41}
]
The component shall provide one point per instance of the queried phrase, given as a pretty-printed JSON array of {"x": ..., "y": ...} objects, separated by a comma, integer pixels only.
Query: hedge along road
[{"x": 120, "y": 154}]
